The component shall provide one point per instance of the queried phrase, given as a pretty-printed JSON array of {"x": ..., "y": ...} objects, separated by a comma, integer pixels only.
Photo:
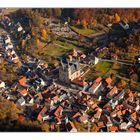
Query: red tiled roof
[
  {"x": 45, "y": 91},
  {"x": 98, "y": 80},
  {"x": 42, "y": 112},
  {"x": 101, "y": 124},
  {"x": 83, "y": 118},
  {"x": 23, "y": 92},
  {"x": 78, "y": 114},
  {"x": 131, "y": 94},
  {"x": 113, "y": 128},
  {"x": 79, "y": 82},
  {"x": 22, "y": 81},
  {"x": 131, "y": 129},
  {"x": 108, "y": 80},
  {"x": 137, "y": 126},
  {"x": 113, "y": 91},
  {"x": 58, "y": 110}
]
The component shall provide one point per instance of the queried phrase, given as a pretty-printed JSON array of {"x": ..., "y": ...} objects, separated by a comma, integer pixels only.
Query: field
[{"x": 83, "y": 31}]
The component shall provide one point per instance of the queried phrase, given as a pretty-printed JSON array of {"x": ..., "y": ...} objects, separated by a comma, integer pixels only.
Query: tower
[{"x": 68, "y": 71}]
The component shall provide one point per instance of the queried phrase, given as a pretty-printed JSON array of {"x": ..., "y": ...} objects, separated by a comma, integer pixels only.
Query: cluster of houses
[
  {"x": 9, "y": 52},
  {"x": 61, "y": 96},
  {"x": 98, "y": 103},
  {"x": 6, "y": 42}
]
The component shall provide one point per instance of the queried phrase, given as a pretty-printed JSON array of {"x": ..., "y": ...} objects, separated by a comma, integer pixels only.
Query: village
[{"x": 61, "y": 96}]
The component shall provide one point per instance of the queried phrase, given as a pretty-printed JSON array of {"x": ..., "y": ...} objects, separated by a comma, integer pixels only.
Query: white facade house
[
  {"x": 21, "y": 101},
  {"x": 93, "y": 88},
  {"x": 124, "y": 25},
  {"x": 20, "y": 29},
  {"x": 96, "y": 60},
  {"x": 7, "y": 40},
  {"x": 2, "y": 84},
  {"x": 9, "y": 46}
]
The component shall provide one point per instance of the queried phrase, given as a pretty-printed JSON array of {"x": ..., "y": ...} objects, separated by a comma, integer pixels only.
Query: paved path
[{"x": 118, "y": 61}]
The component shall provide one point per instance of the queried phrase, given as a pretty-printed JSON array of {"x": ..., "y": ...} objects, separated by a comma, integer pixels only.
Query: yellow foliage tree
[
  {"x": 122, "y": 84},
  {"x": 23, "y": 43},
  {"x": 117, "y": 18},
  {"x": 94, "y": 23},
  {"x": 44, "y": 33},
  {"x": 45, "y": 127},
  {"x": 37, "y": 41},
  {"x": 78, "y": 22},
  {"x": 85, "y": 23},
  {"x": 125, "y": 20}
]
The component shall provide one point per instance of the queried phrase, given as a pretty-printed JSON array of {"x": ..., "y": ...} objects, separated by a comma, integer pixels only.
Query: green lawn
[
  {"x": 65, "y": 45},
  {"x": 101, "y": 69},
  {"x": 83, "y": 31}
]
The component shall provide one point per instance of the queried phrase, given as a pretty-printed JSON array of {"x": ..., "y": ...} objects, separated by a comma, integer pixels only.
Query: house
[
  {"x": 7, "y": 40},
  {"x": 23, "y": 81},
  {"x": 42, "y": 113},
  {"x": 95, "y": 86},
  {"x": 134, "y": 116},
  {"x": 123, "y": 126},
  {"x": 71, "y": 127},
  {"x": 83, "y": 119},
  {"x": 15, "y": 58},
  {"x": 101, "y": 124},
  {"x": 2, "y": 84},
  {"x": 29, "y": 99},
  {"x": 19, "y": 29},
  {"x": 131, "y": 129},
  {"x": 21, "y": 101},
  {"x": 109, "y": 81},
  {"x": 124, "y": 25},
  {"x": 55, "y": 99},
  {"x": 113, "y": 129},
  {"x": 98, "y": 114},
  {"x": 23, "y": 92},
  {"x": 58, "y": 111},
  {"x": 9, "y": 46},
  {"x": 79, "y": 83},
  {"x": 76, "y": 115},
  {"x": 112, "y": 92}
]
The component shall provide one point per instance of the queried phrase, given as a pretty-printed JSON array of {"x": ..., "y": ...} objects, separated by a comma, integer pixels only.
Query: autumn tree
[
  {"x": 8, "y": 110},
  {"x": 78, "y": 22},
  {"x": 45, "y": 127},
  {"x": 84, "y": 23},
  {"x": 117, "y": 18},
  {"x": 94, "y": 23},
  {"x": 44, "y": 33},
  {"x": 122, "y": 84}
]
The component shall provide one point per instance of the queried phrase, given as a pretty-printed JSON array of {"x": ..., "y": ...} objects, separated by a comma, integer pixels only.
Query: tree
[
  {"x": 45, "y": 127},
  {"x": 8, "y": 110},
  {"x": 117, "y": 18},
  {"x": 125, "y": 20},
  {"x": 94, "y": 23},
  {"x": 84, "y": 23},
  {"x": 122, "y": 84},
  {"x": 44, "y": 34},
  {"x": 78, "y": 22},
  {"x": 37, "y": 41}
]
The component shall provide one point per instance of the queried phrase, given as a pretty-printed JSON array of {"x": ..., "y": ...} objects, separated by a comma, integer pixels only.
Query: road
[{"x": 118, "y": 61}]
